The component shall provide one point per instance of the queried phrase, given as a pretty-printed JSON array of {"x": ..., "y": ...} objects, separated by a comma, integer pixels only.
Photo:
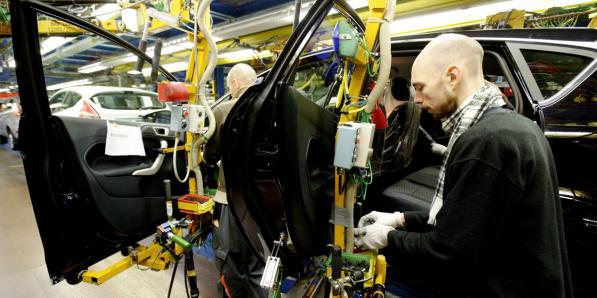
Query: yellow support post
[{"x": 345, "y": 198}]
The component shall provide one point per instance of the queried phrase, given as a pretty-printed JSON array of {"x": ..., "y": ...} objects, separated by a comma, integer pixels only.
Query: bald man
[
  {"x": 240, "y": 270},
  {"x": 495, "y": 227}
]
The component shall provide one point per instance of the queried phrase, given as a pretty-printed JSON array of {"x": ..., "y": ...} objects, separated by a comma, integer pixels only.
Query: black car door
[
  {"x": 279, "y": 141},
  {"x": 87, "y": 204}
]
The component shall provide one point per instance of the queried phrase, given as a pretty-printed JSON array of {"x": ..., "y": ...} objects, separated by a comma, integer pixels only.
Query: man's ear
[{"x": 453, "y": 75}]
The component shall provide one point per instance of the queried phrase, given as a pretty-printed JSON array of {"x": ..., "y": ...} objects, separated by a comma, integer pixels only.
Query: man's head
[
  {"x": 401, "y": 89},
  {"x": 240, "y": 76},
  {"x": 446, "y": 73}
]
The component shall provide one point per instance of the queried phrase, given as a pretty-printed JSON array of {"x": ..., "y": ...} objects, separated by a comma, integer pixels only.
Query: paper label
[{"x": 123, "y": 140}]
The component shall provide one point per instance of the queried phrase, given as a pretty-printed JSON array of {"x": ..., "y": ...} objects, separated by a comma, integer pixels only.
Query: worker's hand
[
  {"x": 373, "y": 236},
  {"x": 394, "y": 220},
  {"x": 438, "y": 148}
]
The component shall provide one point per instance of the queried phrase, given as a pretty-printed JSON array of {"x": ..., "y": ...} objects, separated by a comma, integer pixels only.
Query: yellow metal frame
[{"x": 152, "y": 257}]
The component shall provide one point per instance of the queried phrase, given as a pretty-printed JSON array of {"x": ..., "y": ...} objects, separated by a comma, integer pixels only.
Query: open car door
[
  {"x": 88, "y": 205},
  {"x": 279, "y": 142}
]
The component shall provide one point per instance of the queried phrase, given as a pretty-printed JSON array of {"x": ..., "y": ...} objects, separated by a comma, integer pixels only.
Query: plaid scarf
[{"x": 456, "y": 124}]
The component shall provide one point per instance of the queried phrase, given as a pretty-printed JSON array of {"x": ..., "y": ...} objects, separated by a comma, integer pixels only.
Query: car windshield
[{"x": 128, "y": 101}]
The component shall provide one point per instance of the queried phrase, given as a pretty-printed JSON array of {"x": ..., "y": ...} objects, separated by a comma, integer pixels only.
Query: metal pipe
[{"x": 297, "y": 13}]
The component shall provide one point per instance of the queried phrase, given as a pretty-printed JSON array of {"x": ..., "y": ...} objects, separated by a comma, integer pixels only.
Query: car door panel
[
  {"x": 127, "y": 202},
  {"x": 87, "y": 205},
  {"x": 277, "y": 152},
  {"x": 309, "y": 132}
]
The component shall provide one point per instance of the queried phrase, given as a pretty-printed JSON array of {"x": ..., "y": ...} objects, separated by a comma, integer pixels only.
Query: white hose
[
  {"x": 201, "y": 90},
  {"x": 385, "y": 59},
  {"x": 213, "y": 59},
  {"x": 174, "y": 162},
  {"x": 195, "y": 163}
]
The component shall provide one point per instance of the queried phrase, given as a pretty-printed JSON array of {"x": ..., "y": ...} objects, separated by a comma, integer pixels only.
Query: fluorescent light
[
  {"x": 470, "y": 15},
  {"x": 69, "y": 84},
  {"x": 52, "y": 43},
  {"x": 92, "y": 68},
  {"x": 245, "y": 53},
  {"x": 171, "y": 67},
  {"x": 176, "y": 66}
]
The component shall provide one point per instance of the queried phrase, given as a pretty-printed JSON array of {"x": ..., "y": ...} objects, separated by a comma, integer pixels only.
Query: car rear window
[
  {"x": 128, "y": 101},
  {"x": 553, "y": 70}
]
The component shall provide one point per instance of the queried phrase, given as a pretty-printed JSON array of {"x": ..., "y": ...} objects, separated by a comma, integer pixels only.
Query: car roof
[
  {"x": 585, "y": 37},
  {"x": 88, "y": 91}
]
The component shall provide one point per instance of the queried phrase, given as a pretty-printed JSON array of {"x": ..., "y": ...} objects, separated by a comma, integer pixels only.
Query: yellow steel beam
[{"x": 58, "y": 27}]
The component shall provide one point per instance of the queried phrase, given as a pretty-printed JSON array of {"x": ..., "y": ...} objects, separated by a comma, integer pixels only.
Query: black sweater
[{"x": 500, "y": 231}]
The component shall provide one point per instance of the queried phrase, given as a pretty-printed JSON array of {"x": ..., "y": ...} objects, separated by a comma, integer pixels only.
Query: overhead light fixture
[
  {"x": 91, "y": 68},
  {"x": 244, "y": 54},
  {"x": 69, "y": 84},
  {"x": 52, "y": 43},
  {"x": 170, "y": 47},
  {"x": 171, "y": 67},
  {"x": 471, "y": 15}
]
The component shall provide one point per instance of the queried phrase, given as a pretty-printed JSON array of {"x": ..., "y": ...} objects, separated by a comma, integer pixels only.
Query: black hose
[
  {"x": 172, "y": 279},
  {"x": 186, "y": 282}
]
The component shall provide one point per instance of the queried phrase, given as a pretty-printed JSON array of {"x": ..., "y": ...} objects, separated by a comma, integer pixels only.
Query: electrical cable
[
  {"x": 172, "y": 279},
  {"x": 186, "y": 281},
  {"x": 341, "y": 90},
  {"x": 175, "y": 163}
]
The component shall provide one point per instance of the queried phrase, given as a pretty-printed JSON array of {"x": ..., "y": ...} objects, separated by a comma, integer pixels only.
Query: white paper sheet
[{"x": 122, "y": 140}]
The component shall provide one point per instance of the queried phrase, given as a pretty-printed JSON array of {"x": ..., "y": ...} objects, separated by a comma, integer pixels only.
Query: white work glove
[
  {"x": 438, "y": 148},
  {"x": 393, "y": 220},
  {"x": 373, "y": 236}
]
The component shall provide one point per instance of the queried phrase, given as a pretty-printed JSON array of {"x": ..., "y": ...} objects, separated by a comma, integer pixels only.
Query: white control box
[
  {"x": 353, "y": 145},
  {"x": 196, "y": 118}
]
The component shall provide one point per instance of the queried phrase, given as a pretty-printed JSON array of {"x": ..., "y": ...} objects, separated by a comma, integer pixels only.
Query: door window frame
[{"x": 537, "y": 96}]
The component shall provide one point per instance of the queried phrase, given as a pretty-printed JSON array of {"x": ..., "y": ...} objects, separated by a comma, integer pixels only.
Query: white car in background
[
  {"x": 102, "y": 102},
  {"x": 10, "y": 115}
]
